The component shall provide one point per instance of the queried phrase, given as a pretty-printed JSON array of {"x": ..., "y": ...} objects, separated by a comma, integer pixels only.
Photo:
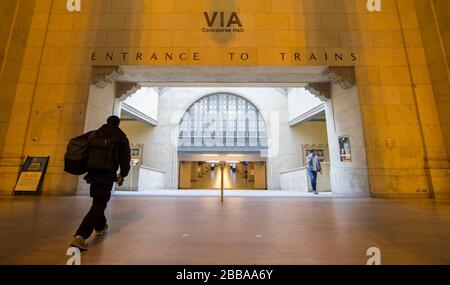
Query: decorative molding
[
  {"x": 307, "y": 115},
  {"x": 436, "y": 162},
  {"x": 320, "y": 90},
  {"x": 343, "y": 76},
  {"x": 126, "y": 89},
  {"x": 138, "y": 115},
  {"x": 102, "y": 76}
]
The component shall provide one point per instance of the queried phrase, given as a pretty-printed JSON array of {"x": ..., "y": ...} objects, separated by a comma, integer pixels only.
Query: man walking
[
  {"x": 314, "y": 167},
  {"x": 109, "y": 150}
]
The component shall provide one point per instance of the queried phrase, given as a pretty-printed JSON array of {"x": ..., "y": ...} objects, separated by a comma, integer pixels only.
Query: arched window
[{"x": 222, "y": 122}]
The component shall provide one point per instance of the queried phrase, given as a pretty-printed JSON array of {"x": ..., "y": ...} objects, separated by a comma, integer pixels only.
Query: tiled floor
[{"x": 194, "y": 230}]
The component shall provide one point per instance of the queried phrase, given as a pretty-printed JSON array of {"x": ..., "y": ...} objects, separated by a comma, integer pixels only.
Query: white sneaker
[
  {"x": 80, "y": 243},
  {"x": 102, "y": 232}
]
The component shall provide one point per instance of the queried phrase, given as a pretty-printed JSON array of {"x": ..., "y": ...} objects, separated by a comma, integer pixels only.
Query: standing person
[
  {"x": 109, "y": 149},
  {"x": 314, "y": 167}
]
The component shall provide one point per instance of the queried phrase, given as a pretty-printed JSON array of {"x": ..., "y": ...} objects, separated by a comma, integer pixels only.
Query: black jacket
[{"x": 124, "y": 157}]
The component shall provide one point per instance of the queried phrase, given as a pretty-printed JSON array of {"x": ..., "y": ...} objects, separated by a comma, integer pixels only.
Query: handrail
[
  {"x": 303, "y": 168},
  {"x": 150, "y": 168}
]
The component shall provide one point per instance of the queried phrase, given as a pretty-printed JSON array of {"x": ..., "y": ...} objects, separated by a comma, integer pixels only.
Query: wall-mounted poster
[
  {"x": 345, "y": 149},
  {"x": 136, "y": 154},
  {"x": 32, "y": 175},
  {"x": 322, "y": 152}
]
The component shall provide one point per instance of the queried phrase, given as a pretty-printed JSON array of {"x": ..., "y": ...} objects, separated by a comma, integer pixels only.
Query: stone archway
[{"x": 336, "y": 86}]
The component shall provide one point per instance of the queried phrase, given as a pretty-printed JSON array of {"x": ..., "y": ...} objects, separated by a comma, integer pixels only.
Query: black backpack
[
  {"x": 77, "y": 154},
  {"x": 103, "y": 153},
  {"x": 91, "y": 151}
]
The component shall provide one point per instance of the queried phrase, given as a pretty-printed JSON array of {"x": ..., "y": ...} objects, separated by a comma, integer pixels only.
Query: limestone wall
[
  {"x": 142, "y": 178},
  {"x": 302, "y": 105},
  {"x": 160, "y": 152},
  {"x": 145, "y": 104},
  {"x": 397, "y": 84},
  {"x": 348, "y": 178},
  {"x": 433, "y": 22},
  {"x": 299, "y": 180},
  {"x": 16, "y": 85}
]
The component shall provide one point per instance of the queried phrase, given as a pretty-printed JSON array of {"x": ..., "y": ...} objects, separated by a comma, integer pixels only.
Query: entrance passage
[
  {"x": 237, "y": 175},
  {"x": 222, "y": 126},
  {"x": 274, "y": 117}
]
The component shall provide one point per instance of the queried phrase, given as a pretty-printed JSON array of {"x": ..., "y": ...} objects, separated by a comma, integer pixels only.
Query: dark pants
[
  {"x": 313, "y": 176},
  {"x": 95, "y": 218}
]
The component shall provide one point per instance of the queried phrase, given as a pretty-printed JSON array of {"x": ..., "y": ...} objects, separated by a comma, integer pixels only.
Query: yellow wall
[
  {"x": 15, "y": 88},
  {"x": 433, "y": 19},
  {"x": 54, "y": 82},
  {"x": 7, "y": 11}
]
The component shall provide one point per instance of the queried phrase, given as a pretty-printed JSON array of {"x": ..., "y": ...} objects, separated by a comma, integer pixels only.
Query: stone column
[{"x": 344, "y": 119}]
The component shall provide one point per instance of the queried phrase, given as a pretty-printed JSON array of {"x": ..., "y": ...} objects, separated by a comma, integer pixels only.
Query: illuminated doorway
[
  {"x": 237, "y": 175},
  {"x": 222, "y": 127}
]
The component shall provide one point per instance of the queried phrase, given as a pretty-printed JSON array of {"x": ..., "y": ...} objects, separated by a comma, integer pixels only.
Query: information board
[{"x": 32, "y": 174}]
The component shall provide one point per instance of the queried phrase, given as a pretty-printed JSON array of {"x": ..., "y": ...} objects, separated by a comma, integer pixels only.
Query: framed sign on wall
[
  {"x": 32, "y": 175},
  {"x": 137, "y": 154},
  {"x": 321, "y": 149},
  {"x": 345, "y": 151}
]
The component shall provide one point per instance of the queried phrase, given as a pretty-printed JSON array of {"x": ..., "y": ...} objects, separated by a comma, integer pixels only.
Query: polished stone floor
[
  {"x": 232, "y": 180},
  {"x": 194, "y": 230},
  {"x": 227, "y": 193}
]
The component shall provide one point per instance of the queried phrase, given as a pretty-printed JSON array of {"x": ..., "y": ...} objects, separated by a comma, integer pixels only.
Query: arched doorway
[{"x": 222, "y": 127}]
